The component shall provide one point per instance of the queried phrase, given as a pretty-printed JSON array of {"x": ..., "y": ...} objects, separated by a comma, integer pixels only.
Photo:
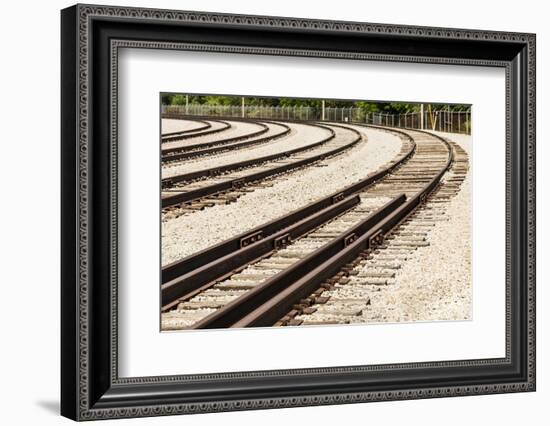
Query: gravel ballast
[
  {"x": 435, "y": 283},
  {"x": 300, "y": 135},
  {"x": 188, "y": 234},
  {"x": 238, "y": 128},
  {"x": 170, "y": 125}
]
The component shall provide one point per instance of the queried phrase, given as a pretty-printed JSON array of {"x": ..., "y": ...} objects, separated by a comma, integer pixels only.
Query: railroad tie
[
  {"x": 369, "y": 274},
  {"x": 236, "y": 285},
  {"x": 370, "y": 281},
  {"x": 329, "y": 322},
  {"x": 200, "y": 305}
]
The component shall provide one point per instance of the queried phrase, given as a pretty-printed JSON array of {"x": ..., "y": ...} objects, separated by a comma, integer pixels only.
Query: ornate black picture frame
[{"x": 91, "y": 36}]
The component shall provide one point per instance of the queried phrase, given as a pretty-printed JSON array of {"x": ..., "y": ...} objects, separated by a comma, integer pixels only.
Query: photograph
[
  {"x": 286, "y": 211},
  {"x": 266, "y": 208}
]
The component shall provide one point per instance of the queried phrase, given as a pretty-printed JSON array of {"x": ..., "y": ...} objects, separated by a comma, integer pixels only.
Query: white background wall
[{"x": 29, "y": 225}]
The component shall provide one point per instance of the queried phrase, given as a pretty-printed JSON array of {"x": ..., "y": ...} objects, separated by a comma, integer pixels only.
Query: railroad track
[
  {"x": 214, "y": 126},
  {"x": 184, "y": 266},
  {"x": 222, "y": 185},
  {"x": 203, "y": 125},
  {"x": 273, "y": 131},
  {"x": 184, "y": 279},
  {"x": 235, "y": 130},
  {"x": 279, "y": 274},
  {"x": 346, "y": 296}
]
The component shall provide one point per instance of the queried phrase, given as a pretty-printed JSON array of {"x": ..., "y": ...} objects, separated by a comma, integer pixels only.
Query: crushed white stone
[
  {"x": 238, "y": 128},
  {"x": 188, "y": 234},
  {"x": 435, "y": 283},
  {"x": 300, "y": 135},
  {"x": 170, "y": 125}
]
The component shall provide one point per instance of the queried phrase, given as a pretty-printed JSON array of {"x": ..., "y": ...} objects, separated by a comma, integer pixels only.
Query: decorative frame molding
[{"x": 91, "y": 37}]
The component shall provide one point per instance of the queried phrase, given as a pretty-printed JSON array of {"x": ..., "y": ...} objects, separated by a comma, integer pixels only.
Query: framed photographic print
[{"x": 263, "y": 212}]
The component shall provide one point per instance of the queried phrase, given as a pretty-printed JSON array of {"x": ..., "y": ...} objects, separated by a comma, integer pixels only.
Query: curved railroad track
[
  {"x": 288, "y": 272},
  {"x": 224, "y": 184},
  {"x": 196, "y": 129},
  {"x": 346, "y": 296},
  {"x": 214, "y": 126},
  {"x": 233, "y": 130},
  {"x": 273, "y": 132},
  {"x": 249, "y": 293}
]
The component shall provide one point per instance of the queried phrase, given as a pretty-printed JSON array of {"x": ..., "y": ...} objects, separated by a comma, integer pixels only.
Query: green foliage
[
  {"x": 178, "y": 100},
  {"x": 166, "y": 99},
  {"x": 221, "y": 100},
  {"x": 363, "y": 106}
]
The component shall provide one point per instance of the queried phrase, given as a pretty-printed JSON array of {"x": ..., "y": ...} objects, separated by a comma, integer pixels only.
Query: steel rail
[
  {"x": 205, "y": 125},
  {"x": 226, "y": 144},
  {"x": 201, "y": 258},
  {"x": 273, "y": 298},
  {"x": 252, "y": 248},
  {"x": 171, "y": 154},
  {"x": 213, "y": 171},
  {"x": 277, "y": 306},
  {"x": 235, "y": 310},
  {"x": 236, "y": 183},
  {"x": 211, "y": 131}
]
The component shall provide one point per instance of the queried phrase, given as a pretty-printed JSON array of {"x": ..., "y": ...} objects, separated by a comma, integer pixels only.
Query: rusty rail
[
  {"x": 213, "y": 171},
  {"x": 240, "y": 308},
  {"x": 205, "y": 125},
  {"x": 251, "y": 248},
  {"x": 236, "y": 183},
  {"x": 173, "y": 138},
  {"x": 172, "y": 153},
  {"x": 270, "y": 300},
  {"x": 199, "y": 259},
  {"x": 190, "y": 151}
]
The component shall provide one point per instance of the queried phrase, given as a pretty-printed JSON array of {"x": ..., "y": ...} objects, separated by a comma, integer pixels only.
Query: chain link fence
[
  {"x": 440, "y": 120},
  {"x": 443, "y": 121},
  {"x": 248, "y": 111}
]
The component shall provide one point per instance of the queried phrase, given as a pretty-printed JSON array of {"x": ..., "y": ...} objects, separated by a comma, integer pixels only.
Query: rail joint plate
[
  {"x": 376, "y": 239},
  {"x": 238, "y": 183},
  {"x": 282, "y": 241},
  {"x": 338, "y": 197},
  {"x": 348, "y": 239},
  {"x": 249, "y": 239}
]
